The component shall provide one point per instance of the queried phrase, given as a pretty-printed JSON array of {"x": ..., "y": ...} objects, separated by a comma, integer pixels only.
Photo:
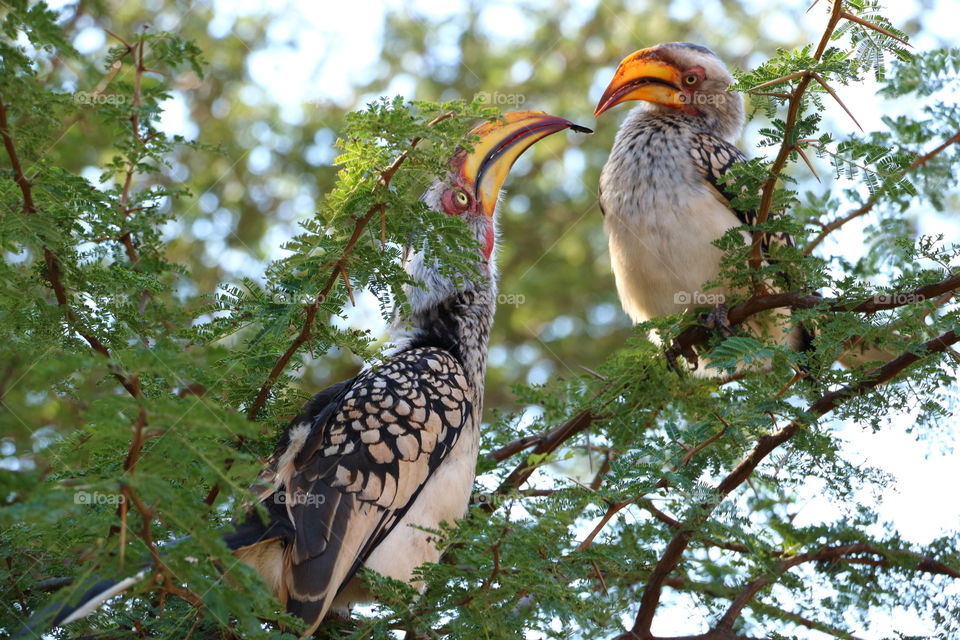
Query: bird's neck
[
  {"x": 454, "y": 314},
  {"x": 723, "y": 125}
]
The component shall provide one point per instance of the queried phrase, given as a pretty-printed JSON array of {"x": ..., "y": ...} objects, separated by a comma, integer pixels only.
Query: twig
[
  {"x": 874, "y": 198},
  {"x": 688, "y": 456},
  {"x": 612, "y": 510},
  {"x": 546, "y": 444},
  {"x": 824, "y": 554},
  {"x": 516, "y": 446},
  {"x": 793, "y": 113},
  {"x": 130, "y": 383},
  {"x": 764, "y": 446}
]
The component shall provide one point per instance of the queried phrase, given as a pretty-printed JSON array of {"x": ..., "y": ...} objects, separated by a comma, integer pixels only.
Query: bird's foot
[
  {"x": 717, "y": 321},
  {"x": 673, "y": 355}
]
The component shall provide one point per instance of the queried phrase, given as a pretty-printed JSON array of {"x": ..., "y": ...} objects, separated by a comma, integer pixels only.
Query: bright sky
[{"x": 343, "y": 38}]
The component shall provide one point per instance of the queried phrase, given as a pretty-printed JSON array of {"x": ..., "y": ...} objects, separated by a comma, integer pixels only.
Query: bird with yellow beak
[
  {"x": 662, "y": 189},
  {"x": 373, "y": 464}
]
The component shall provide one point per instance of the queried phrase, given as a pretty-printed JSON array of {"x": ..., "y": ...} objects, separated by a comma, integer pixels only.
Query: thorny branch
[
  {"x": 545, "y": 445},
  {"x": 829, "y": 553},
  {"x": 794, "y": 102},
  {"x": 131, "y": 383},
  {"x": 698, "y": 334},
  {"x": 793, "y": 113},
  {"x": 672, "y": 554},
  {"x": 867, "y": 207},
  {"x": 338, "y": 271}
]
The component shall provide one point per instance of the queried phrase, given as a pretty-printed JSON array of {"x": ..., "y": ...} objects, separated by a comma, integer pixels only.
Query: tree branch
[
  {"x": 338, "y": 269},
  {"x": 825, "y": 554},
  {"x": 130, "y": 383},
  {"x": 698, "y": 334},
  {"x": 546, "y": 444},
  {"x": 793, "y": 113},
  {"x": 921, "y": 160},
  {"x": 612, "y": 510},
  {"x": 764, "y": 446}
]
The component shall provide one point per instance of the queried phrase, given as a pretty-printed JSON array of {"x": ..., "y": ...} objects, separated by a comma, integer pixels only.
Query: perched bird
[
  {"x": 662, "y": 190},
  {"x": 373, "y": 461}
]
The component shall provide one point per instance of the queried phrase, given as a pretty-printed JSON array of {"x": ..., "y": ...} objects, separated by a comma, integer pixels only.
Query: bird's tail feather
[{"x": 70, "y": 609}]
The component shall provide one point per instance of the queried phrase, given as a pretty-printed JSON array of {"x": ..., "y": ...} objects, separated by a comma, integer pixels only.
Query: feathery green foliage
[{"x": 139, "y": 391}]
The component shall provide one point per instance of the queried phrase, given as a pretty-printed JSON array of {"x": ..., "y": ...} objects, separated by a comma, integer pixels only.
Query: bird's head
[
  {"x": 678, "y": 75},
  {"x": 472, "y": 187}
]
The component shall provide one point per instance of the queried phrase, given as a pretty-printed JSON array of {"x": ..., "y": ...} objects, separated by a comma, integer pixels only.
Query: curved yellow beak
[
  {"x": 643, "y": 76},
  {"x": 500, "y": 144}
]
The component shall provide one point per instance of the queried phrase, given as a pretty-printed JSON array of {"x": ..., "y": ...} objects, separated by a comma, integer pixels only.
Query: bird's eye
[
  {"x": 692, "y": 79},
  {"x": 462, "y": 198}
]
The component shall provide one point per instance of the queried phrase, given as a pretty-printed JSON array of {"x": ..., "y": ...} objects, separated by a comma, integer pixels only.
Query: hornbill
[
  {"x": 662, "y": 190},
  {"x": 375, "y": 462}
]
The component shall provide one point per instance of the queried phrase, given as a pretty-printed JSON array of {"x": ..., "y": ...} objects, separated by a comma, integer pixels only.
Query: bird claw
[
  {"x": 673, "y": 354},
  {"x": 717, "y": 321}
]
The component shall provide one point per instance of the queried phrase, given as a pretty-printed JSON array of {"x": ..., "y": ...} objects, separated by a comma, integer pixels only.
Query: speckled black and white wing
[
  {"x": 713, "y": 157},
  {"x": 345, "y": 478}
]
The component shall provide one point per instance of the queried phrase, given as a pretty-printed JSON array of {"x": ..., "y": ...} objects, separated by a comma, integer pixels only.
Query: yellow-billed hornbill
[
  {"x": 662, "y": 190},
  {"x": 374, "y": 463}
]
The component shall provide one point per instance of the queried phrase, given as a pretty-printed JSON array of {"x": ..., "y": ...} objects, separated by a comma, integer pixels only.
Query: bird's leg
[
  {"x": 717, "y": 320},
  {"x": 675, "y": 351}
]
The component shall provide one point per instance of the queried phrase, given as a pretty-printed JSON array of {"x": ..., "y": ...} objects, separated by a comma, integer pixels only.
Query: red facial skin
[
  {"x": 689, "y": 87},
  {"x": 458, "y": 201}
]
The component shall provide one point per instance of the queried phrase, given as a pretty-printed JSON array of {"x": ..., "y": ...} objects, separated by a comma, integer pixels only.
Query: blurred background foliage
[{"x": 270, "y": 157}]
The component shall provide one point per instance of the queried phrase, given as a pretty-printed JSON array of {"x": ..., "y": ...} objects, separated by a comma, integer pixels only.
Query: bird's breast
[{"x": 661, "y": 219}]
